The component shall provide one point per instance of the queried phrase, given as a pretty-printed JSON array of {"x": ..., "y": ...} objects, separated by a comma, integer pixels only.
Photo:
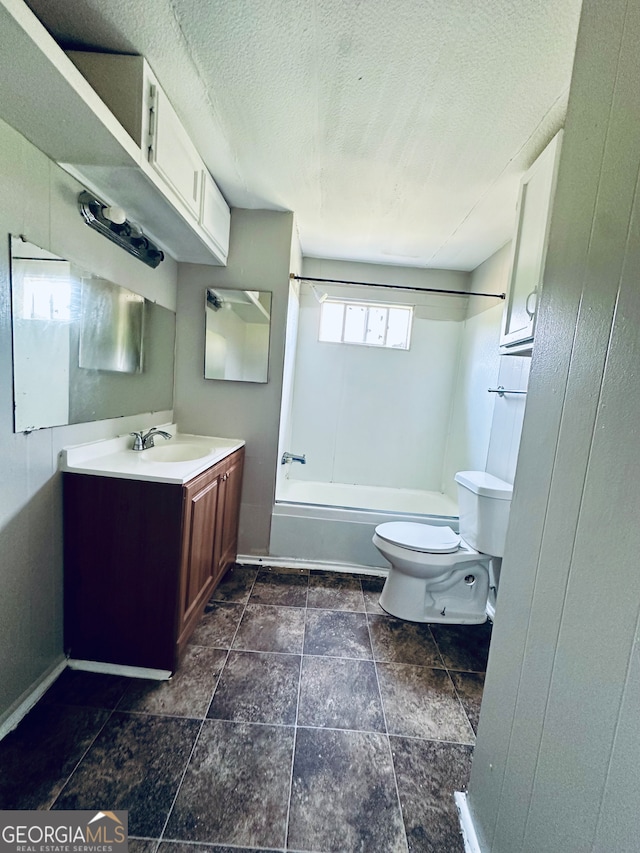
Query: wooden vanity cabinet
[
  {"x": 141, "y": 560},
  {"x": 210, "y": 538},
  {"x": 226, "y": 549}
]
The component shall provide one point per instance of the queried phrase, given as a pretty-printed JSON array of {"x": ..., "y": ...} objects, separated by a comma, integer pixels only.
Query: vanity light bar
[{"x": 118, "y": 229}]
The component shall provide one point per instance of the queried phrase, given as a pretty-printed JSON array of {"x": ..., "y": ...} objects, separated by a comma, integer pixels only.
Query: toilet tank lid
[{"x": 486, "y": 485}]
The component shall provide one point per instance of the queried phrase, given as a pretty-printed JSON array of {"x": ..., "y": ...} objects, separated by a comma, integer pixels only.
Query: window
[{"x": 370, "y": 324}]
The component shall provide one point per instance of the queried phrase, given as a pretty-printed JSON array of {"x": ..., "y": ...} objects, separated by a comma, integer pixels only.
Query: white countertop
[{"x": 114, "y": 457}]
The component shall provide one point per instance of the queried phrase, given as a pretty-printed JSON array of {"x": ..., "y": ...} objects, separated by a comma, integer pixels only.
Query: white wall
[
  {"x": 376, "y": 416},
  {"x": 259, "y": 259},
  {"x": 485, "y": 429},
  {"x": 472, "y": 411},
  {"x": 39, "y": 201},
  {"x": 556, "y": 761},
  {"x": 508, "y": 417}
]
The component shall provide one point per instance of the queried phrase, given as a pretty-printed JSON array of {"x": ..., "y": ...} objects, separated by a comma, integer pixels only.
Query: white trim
[
  {"x": 294, "y": 563},
  {"x": 30, "y": 697},
  {"x": 491, "y": 610},
  {"x": 468, "y": 830},
  {"x": 119, "y": 669}
]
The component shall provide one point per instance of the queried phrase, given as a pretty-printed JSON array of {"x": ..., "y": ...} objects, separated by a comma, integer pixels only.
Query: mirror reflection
[
  {"x": 237, "y": 326},
  {"x": 84, "y": 348}
]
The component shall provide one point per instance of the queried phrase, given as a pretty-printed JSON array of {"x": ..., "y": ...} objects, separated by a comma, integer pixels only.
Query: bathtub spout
[{"x": 293, "y": 457}]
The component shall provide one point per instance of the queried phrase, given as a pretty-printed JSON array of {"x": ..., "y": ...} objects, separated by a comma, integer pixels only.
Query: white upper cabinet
[
  {"x": 106, "y": 121},
  {"x": 169, "y": 162},
  {"x": 529, "y": 250},
  {"x": 171, "y": 152},
  {"x": 214, "y": 212}
]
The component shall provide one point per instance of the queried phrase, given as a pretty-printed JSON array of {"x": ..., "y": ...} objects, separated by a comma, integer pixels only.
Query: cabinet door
[
  {"x": 215, "y": 217},
  {"x": 172, "y": 154},
  {"x": 530, "y": 246},
  {"x": 197, "y": 571},
  {"x": 228, "y": 514}
]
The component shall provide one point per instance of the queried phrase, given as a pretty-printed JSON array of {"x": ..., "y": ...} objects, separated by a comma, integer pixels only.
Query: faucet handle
[{"x": 137, "y": 440}]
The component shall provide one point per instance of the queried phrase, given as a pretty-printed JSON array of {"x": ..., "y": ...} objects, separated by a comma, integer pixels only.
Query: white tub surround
[
  {"x": 175, "y": 460},
  {"x": 379, "y": 498}
]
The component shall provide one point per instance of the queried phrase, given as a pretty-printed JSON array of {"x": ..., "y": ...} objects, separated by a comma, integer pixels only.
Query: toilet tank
[{"x": 484, "y": 503}]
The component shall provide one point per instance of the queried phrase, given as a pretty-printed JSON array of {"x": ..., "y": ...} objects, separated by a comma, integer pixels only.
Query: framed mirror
[
  {"x": 84, "y": 348},
  {"x": 237, "y": 329}
]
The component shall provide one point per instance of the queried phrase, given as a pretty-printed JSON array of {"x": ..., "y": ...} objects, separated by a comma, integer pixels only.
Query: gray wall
[
  {"x": 39, "y": 201},
  {"x": 259, "y": 259},
  {"x": 556, "y": 762}
]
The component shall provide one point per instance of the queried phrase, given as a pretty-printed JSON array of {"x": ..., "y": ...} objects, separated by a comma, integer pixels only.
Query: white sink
[
  {"x": 176, "y": 460},
  {"x": 176, "y": 452}
]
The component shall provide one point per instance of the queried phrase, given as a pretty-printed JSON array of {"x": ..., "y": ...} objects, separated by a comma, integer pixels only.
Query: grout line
[
  {"x": 204, "y": 719},
  {"x": 212, "y": 846},
  {"x": 295, "y": 727},
  {"x": 461, "y": 703},
  {"x": 386, "y": 732},
  {"x": 434, "y": 740},
  {"x": 84, "y": 754}
]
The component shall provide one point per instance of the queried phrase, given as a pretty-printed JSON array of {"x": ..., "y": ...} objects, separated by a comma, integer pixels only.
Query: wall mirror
[
  {"x": 84, "y": 348},
  {"x": 237, "y": 326}
]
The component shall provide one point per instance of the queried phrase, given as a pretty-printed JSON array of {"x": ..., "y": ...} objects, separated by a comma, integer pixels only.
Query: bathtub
[
  {"x": 344, "y": 495},
  {"x": 333, "y": 523}
]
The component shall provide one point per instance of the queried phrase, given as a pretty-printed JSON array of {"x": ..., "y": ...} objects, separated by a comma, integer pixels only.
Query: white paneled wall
[{"x": 555, "y": 766}]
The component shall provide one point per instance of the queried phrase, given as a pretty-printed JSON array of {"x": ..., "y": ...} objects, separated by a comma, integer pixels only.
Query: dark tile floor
[{"x": 303, "y": 718}]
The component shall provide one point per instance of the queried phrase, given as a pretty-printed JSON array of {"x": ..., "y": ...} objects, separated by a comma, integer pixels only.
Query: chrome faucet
[
  {"x": 293, "y": 457},
  {"x": 144, "y": 440}
]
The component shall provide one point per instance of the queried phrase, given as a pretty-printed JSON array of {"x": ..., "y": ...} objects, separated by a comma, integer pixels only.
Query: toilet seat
[{"x": 423, "y": 538}]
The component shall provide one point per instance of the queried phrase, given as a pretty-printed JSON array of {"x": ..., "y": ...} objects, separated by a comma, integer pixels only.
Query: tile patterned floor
[{"x": 303, "y": 718}]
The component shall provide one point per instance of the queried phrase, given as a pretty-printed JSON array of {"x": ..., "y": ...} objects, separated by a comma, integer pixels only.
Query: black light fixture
[
  {"x": 214, "y": 300},
  {"x": 112, "y": 223}
]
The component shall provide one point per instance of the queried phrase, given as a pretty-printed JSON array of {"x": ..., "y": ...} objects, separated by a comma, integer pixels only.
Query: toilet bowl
[{"x": 437, "y": 575}]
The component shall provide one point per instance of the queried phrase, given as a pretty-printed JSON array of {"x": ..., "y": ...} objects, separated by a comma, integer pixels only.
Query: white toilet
[{"x": 436, "y": 575}]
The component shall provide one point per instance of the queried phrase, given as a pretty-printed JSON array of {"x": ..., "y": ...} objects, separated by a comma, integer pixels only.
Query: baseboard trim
[
  {"x": 29, "y": 698},
  {"x": 118, "y": 669},
  {"x": 318, "y": 565},
  {"x": 467, "y": 828}
]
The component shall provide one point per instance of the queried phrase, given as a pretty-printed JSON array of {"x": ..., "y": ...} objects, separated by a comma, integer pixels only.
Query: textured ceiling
[{"x": 396, "y": 130}]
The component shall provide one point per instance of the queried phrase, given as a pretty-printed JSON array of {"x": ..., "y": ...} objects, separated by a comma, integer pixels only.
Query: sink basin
[
  {"x": 176, "y": 460},
  {"x": 178, "y": 452}
]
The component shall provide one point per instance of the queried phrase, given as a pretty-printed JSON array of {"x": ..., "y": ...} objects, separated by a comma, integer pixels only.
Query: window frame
[{"x": 367, "y": 304}]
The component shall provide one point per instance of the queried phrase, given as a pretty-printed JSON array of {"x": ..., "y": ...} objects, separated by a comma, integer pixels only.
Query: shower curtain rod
[{"x": 397, "y": 286}]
